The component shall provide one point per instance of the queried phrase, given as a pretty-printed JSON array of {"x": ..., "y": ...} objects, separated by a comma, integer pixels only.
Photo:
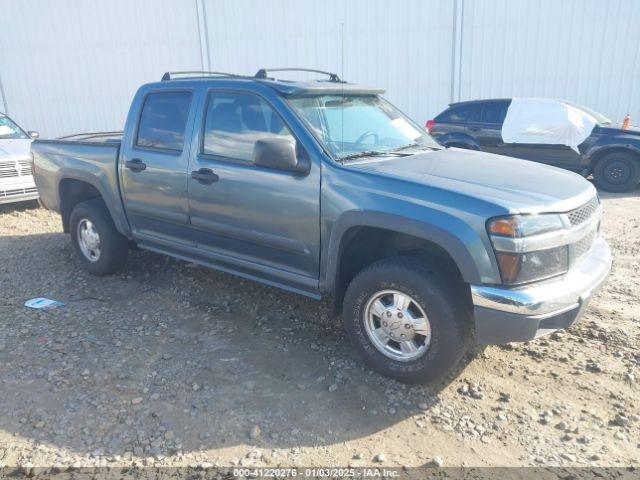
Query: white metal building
[{"x": 70, "y": 66}]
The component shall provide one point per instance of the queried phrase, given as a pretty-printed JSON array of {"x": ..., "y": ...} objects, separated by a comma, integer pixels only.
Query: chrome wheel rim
[
  {"x": 89, "y": 240},
  {"x": 397, "y": 325}
]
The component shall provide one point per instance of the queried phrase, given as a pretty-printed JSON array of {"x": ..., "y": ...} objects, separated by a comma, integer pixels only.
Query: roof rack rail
[
  {"x": 263, "y": 73},
  {"x": 195, "y": 74}
]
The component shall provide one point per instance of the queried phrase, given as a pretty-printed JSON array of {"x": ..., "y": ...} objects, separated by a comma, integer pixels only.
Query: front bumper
[
  {"x": 17, "y": 189},
  {"x": 18, "y": 195},
  {"x": 505, "y": 315}
]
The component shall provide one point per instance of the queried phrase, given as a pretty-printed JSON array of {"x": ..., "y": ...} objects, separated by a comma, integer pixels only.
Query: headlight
[
  {"x": 519, "y": 242},
  {"x": 524, "y": 225}
]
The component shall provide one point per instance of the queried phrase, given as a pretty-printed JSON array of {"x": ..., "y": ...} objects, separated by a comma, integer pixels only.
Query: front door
[
  {"x": 153, "y": 169},
  {"x": 253, "y": 219},
  {"x": 556, "y": 155}
]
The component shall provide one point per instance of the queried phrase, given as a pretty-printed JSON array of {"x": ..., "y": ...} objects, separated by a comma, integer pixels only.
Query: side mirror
[
  {"x": 33, "y": 134},
  {"x": 279, "y": 154}
]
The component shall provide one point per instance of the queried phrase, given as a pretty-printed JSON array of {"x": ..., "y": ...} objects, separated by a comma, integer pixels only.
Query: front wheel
[
  {"x": 101, "y": 248},
  {"x": 617, "y": 172},
  {"x": 407, "y": 323}
]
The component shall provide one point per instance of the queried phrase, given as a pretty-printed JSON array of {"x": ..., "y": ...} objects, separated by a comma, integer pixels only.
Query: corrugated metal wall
[
  {"x": 586, "y": 51},
  {"x": 73, "y": 65},
  {"x": 403, "y": 47}
]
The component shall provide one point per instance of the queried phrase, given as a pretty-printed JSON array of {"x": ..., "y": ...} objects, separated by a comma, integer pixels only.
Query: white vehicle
[{"x": 16, "y": 176}]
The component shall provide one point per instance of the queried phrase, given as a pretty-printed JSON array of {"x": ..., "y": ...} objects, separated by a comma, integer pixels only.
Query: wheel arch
[
  {"x": 365, "y": 237},
  {"x": 597, "y": 155},
  {"x": 460, "y": 140},
  {"x": 74, "y": 188}
]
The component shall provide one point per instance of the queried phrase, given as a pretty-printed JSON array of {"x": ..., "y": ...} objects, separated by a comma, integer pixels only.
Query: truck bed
[{"x": 84, "y": 161}]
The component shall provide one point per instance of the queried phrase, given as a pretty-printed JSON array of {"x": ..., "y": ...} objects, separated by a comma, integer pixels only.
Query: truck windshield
[
  {"x": 600, "y": 118},
  {"x": 359, "y": 125},
  {"x": 8, "y": 129}
]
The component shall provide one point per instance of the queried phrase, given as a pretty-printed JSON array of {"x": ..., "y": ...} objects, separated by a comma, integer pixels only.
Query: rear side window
[
  {"x": 163, "y": 120},
  {"x": 236, "y": 121},
  {"x": 494, "y": 112},
  {"x": 460, "y": 114}
]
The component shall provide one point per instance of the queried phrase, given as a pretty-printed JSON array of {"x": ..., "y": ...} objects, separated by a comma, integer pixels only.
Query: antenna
[{"x": 342, "y": 72}]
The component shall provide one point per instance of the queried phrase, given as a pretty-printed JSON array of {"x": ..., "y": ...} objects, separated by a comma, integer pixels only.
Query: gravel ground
[{"x": 172, "y": 364}]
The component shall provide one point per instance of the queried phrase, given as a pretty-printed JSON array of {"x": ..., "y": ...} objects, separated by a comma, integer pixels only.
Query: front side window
[
  {"x": 163, "y": 120},
  {"x": 351, "y": 125},
  {"x": 8, "y": 129},
  {"x": 494, "y": 112},
  {"x": 235, "y": 122}
]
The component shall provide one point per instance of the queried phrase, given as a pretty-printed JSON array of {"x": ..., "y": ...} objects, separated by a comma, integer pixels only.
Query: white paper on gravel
[{"x": 546, "y": 121}]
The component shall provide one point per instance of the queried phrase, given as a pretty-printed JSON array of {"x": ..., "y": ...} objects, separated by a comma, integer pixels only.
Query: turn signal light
[
  {"x": 509, "y": 264},
  {"x": 505, "y": 227}
]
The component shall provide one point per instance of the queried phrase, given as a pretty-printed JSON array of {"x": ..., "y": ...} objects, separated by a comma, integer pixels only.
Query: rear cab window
[{"x": 163, "y": 121}]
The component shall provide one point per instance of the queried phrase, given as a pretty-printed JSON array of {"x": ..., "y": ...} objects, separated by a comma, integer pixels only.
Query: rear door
[
  {"x": 252, "y": 219},
  {"x": 452, "y": 124},
  {"x": 153, "y": 167},
  {"x": 488, "y": 129}
]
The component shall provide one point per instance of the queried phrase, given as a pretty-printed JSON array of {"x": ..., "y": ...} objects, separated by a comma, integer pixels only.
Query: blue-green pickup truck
[{"x": 322, "y": 187}]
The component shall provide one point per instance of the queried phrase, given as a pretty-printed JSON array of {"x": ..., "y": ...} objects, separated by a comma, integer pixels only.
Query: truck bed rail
[{"x": 93, "y": 137}]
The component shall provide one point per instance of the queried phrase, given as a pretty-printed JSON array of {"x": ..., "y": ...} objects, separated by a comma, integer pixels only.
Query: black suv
[{"x": 610, "y": 153}]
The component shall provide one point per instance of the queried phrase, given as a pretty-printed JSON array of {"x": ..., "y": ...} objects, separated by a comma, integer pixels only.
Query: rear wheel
[
  {"x": 617, "y": 172},
  {"x": 406, "y": 322},
  {"x": 100, "y": 247}
]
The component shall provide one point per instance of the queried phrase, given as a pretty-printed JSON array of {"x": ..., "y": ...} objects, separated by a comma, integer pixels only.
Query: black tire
[
  {"x": 445, "y": 303},
  {"x": 113, "y": 246},
  {"x": 617, "y": 172}
]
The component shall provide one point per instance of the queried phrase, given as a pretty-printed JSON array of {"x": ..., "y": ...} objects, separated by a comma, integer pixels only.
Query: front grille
[
  {"x": 8, "y": 169},
  {"x": 24, "y": 167},
  {"x": 583, "y": 213},
  {"x": 15, "y": 168},
  {"x": 581, "y": 247},
  {"x": 578, "y": 217}
]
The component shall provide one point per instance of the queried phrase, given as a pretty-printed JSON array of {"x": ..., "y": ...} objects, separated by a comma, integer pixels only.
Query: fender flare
[
  {"x": 444, "y": 239},
  {"x": 617, "y": 144},
  {"x": 111, "y": 201}
]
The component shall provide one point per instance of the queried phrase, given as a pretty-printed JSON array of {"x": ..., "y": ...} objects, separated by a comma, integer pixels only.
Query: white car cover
[{"x": 546, "y": 121}]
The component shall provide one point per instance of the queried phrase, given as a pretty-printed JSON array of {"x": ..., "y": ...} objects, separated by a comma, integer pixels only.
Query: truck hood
[
  {"x": 616, "y": 129},
  {"x": 517, "y": 186},
  {"x": 15, "y": 148}
]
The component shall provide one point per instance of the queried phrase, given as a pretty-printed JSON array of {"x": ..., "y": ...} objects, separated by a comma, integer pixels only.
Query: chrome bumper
[
  {"x": 503, "y": 315},
  {"x": 13, "y": 197}
]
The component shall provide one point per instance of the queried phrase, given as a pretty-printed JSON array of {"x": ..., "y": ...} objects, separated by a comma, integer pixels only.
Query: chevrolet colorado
[{"x": 322, "y": 187}]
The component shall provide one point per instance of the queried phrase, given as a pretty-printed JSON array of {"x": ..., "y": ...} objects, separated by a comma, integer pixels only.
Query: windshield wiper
[
  {"x": 366, "y": 153},
  {"x": 413, "y": 145}
]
